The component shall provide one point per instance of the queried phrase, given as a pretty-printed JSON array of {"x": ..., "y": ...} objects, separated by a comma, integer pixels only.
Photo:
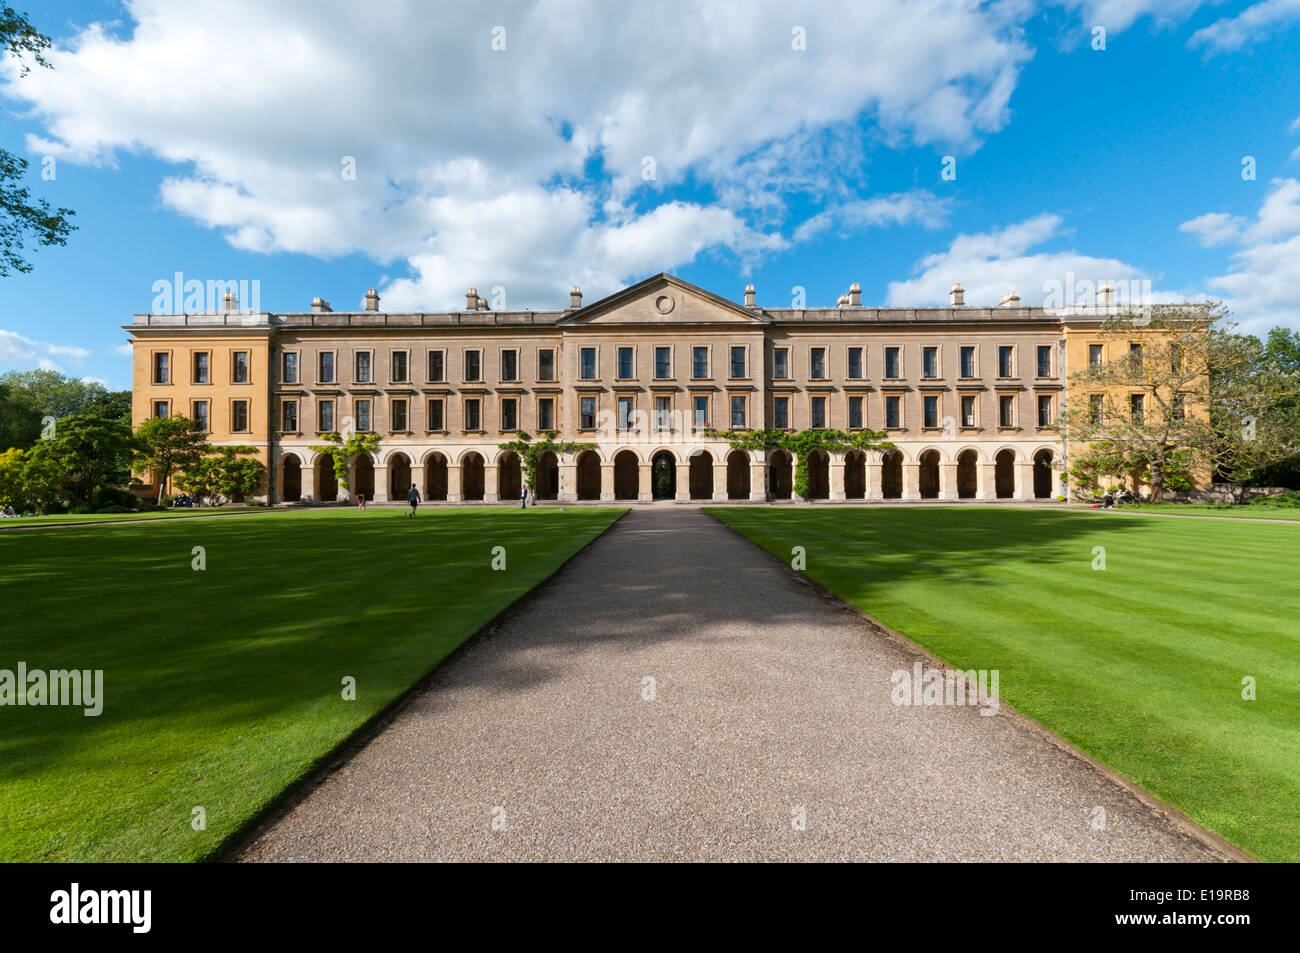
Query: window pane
[
  {"x": 1094, "y": 355},
  {"x": 855, "y": 363},
  {"x": 931, "y": 412},
  {"x": 363, "y": 367},
  {"x": 241, "y": 367},
  {"x": 968, "y": 411},
  {"x": 624, "y": 413},
  {"x": 855, "y": 412},
  {"x": 588, "y": 371},
  {"x": 781, "y": 363},
  {"x": 929, "y": 362},
  {"x": 510, "y": 365},
  {"x": 436, "y": 415},
  {"x": 1006, "y": 410},
  {"x": 399, "y": 366},
  {"x": 968, "y": 362},
  {"x": 1004, "y": 361},
  {"x": 546, "y": 414},
  {"x": 546, "y": 365},
  {"x": 240, "y": 415},
  {"x": 200, "y": 368},
  {"x": 818, "y": 362},
  {"x": 473, "y": 369},
  {"x": 891, "y": 412},
  {"x": 662, "y": 362},
  {"x": 891, "y": 362},
  {"x": 471, "y": 415},
  {"x": 588, "y": 406},
  {"x": 509, "y": 414},
  {"x": 291, "y": 368},
  {"x": 737, "y": 410},
  {"x": 737, "y": 362},
  {"x": 818, "y": 412},
  {"x": 699, "y": 362},
  {"x": 701, "y": 405},
  {"x": 326, "y": 414},
  {"x": 201, "y": 416},
  {"x": 781, "y": 413},
  {"x": 363, "y": 415},
  {"x": 290, "y": 415},
  {"x": 437, "y": 369},
  {"x": 327, "y": 368},
  {"x": 625, "y": 363},
  {"x": 1044, "y": 361}
]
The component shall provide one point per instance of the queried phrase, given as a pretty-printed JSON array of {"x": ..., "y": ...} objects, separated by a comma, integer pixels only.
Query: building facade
[{"x": 970, "y": 397}]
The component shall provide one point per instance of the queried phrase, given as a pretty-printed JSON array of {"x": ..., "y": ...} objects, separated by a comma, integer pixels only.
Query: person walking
[
  {"x": 361, "y": 502},
  {"x": 523, "y": 497},
  {"x": 413, "y": 498}
]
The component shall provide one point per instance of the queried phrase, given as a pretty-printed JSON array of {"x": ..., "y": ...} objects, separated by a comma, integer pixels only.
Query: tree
[
  {"x": 802, "y": 444},
  {"x": 168, "y": 444},
  {"x": 84, "y": 453},
  {"x": 341, "y": 451},
  {"x": 1282, "y": 352},
  {"x": 228, "y": 474},
  {"x": 13, "y": 484},
  {"x": 529, "y": 452},
  {"x": 28, "y": 397},
  {"x": 20, "y": 216}
]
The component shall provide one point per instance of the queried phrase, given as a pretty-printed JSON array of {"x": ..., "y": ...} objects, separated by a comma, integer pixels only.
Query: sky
[{"x": 522, "y": 148}]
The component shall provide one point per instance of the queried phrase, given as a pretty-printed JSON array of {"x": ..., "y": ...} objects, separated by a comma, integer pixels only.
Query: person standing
[
  {"x": 361, "y": 502},
  {"x": 413, "y": 498}
]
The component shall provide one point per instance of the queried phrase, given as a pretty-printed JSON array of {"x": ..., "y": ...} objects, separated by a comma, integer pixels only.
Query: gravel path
[{"x": 770, "y": 698}]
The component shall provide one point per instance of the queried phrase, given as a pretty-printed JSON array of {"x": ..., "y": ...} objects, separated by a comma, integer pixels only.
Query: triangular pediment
[{"x": 663, "y": 299}]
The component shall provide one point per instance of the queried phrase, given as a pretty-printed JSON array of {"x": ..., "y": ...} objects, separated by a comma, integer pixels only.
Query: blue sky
[{"x": 214, "y": 142}]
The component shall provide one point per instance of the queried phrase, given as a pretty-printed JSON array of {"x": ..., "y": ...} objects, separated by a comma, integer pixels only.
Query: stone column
[
  {"x": 381, "y": 484},
  {"x": 875, "y": 477},
  {"x": 986, "y": 481},
  {"x": 757, "y": 477},
  {"x": 454, "y": 494},
  {"x": 836, "y": 472},
  {"x": 911, "y": 480},
  {"x": 948, "y": 481},
  {"x": 607, "y": 482},
  {"x": 417, "y": 477},
  {"x": 794, "y": 478},
  {"x": 719, "y": 482},
  {"x": 308, "y": 482},
  {"x": 645, "y": 482},
  {"x": 1025, "y": 481},
  {"x": 568, "y": 473},
  {"x": 489, "y": 483},
  {"x": 684, "y": 481}
]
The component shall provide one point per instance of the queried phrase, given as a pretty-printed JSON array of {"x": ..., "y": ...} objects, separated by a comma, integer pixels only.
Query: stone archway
[
  {"x": 891, "y": 475},
  {"x": 780, "y": 476},
  {"x": 819, "y": 475},
  {"x": 929, "y": 475},
  {"x": 663, "y": 476},
  {"x": 737, "y": 475},
  {"x": 627, "y": 475},
  {"x": 435, "y": 477},
  {"x": 510, "y": 481},
  {"x": 363, "y": 476},
  {"x": 701, "y": 476},
  {"x": 1004, "y": 474},
  {"x": 967, "y": 475},
  {"x": 327, "y": 483},
  {"x": 547, "y": 477},
  {"x": 471, "y": 476},
  {"x": 855, "y": 475},
  {"x": 399, "y": 476},
  {"x": 290, "y": 478},
  {"x": 588, "y": 475},
  {"x": 1043, "y": 475}
]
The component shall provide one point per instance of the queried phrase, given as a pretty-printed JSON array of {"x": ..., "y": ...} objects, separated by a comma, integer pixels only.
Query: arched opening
[
  {"x": 547, "y": 477},
  {"x": 510, "y": 481},
  {"x": 819, "y": 475},
  {"x": 399, "y": 476},
  {"x": 737, "y": 475},
  {"x": 327, "y": 483},
  {"x": 588, "y": 475},
  {"x": 780, "y": 478},
  {"x": 855, "y": 475},
  {"x": 663, "y": 476},
  {"x": 891, "y": 475},
  {"x": 626, "y": 475},
  {"x": 929, "y": 476},
  {"x": 967, "y": 480},
  {"x": 1004, "y": 474},
  {"x": 701, "y": 475},
  {"x": 1043, "y": 475},
  {"x": 363, "y": 476},
  {"x": 435, "y": 477},
  {"x": 471, "y": 476},
  {"x": 290, "y": 478}
]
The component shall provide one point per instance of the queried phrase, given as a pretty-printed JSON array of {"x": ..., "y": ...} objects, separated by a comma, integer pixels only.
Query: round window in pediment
[{"x": 664, "y": 304}]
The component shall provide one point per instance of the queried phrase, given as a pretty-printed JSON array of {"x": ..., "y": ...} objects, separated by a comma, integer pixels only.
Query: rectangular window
[
  {"x": 781, "y": 413},
  {"x": 1176, "y": 358},
  {"x": 162, "y": 368},
  {"x": 239, "y": 416},
  {"x": 855, "y": 363},
  {"x": 855, "y": 413},
  {"x": 891, "y": 363},
  {"x": 473, "y": 420},
  {"x": 781, "y": 363},
  {"x": 701, "y": 410},
  {"x": 400, "y": 370},
  {"x": 625, "y": 361},
  {"x": 737, "y": 411},
  {"x": 818, "y": 413},
  {"x": 473, "y": 368},
  {"x": 968, "y": 361},
  {"x": 737, "y": 362},
  {"x": 625, "y": 407},
  {"x": 588, "y": 408},
  {"x": 1180, "y": 407},
  {"x": 968, "y": 410},
  {"x": 509, "y": 413},
  {"x": 699, "y": 362},
  {"x": 663, "y": 413},
  {"x": 1135, "y": 406},
  {"x": 437, "y": 367},
  {"x": 1044, "y": 410},
  {"x": 160, "y": 409},
  {"x": 201, "y": 415},
  {"x": 1094, "y": 355},
  {"x": 362, "y": 408},
  {"x": 1094, "y": 408},
  {"x": 930, "y": 362},
  {"x": 1005, "y": 353},
  {"x": 201, "y": 367},
  {"x": 930, "y": 411},
  {"x": 239, "y": 371},
  {"x": 1006, "y": 410},
  {"x": 1135, "y": 355},
  {"x": 326, "y": 375},
  {"x": 893, "y": 412},
  {"x": 1044, "y": 360},
  {"x": 362, "y": 367},
  {"x": 663, "y": 363},
  {"x": 325, "y": 416},
  {"x": 587, "y": 370},
  {"x": 546, "y": 413},
  {"x": 437, "y": 414},
  {"x": 817, "y": 363},
  {"x": 398, "y": 412},
  {"x": 510, "y": 365},
  {"x": 546, "y": 364},
  {"x": 290, "y": 367},
  {"x": 289, "y": 416}
]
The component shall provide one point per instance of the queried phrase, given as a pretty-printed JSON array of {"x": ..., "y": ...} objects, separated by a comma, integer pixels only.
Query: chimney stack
[
  {"x": 471, "y": 299},
  {"x": 956, "y": 296},
  {"x": 229, "y": 302},
  {"x": 855, "y": 295},
  {"x": 481, "y": 304},
  {"x": 320, "y": 305},
  {"x": 1105, "y": 294},
  {"x": 575, "y": 298},
  {"x": 1010, "y": 300},
  {"x": 751, "y": 297},
  {"x": 372, "y": 300},
  {"x": 842, "y": 301}
]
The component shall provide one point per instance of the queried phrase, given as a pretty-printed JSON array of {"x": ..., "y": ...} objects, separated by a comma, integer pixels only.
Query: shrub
[
  {"x": 106, "y": 496},
  {"x": 1291, "y": 498},
  {"x": 112, "y": 508}
]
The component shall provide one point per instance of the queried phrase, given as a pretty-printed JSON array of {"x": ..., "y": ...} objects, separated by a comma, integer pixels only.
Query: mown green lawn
[
  {"x": 225, "y": 685},
  {"x": 59, "y": 519},
  {"x": 1256, "y": 511},
  {"x": 1140, "y": 664}
]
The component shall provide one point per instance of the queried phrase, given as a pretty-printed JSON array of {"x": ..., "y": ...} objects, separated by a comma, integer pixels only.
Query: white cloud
[
  {"x": 1118, "y": 15},
  {"x": 470, "y": 162},
  {"x": 918, "y": 207},
  {"x": 1255, "y": 23},
  {"x": 992, "y": 263},
  {"x": 1213, "y": 228},
  {"x": 22, "y": 353},
  {"x": 124, "y": 349}
]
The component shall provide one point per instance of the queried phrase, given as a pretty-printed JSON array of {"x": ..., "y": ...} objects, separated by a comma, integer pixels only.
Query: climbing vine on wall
[
  {"x": 529, "y": 452},
  {"x": 341, "y": 451},
  {"x": 801, "y": 444}
]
